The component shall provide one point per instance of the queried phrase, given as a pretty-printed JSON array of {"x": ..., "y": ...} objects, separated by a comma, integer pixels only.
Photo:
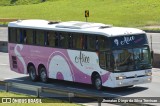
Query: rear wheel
[
  {"x": 43, "y": 75},
  {"x": 97, "y": 82},
  {"x": 32, "y": 73}
]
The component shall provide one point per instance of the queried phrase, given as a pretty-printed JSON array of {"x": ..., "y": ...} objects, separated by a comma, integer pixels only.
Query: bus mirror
[{"x": 152, "y": 53}]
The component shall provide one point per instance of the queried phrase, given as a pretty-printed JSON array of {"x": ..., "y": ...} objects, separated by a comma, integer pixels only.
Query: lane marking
[
  {"x": 4, "y": 64},
  {"x": 86, "y": 104},
  {"x": 77, "y": 89}
]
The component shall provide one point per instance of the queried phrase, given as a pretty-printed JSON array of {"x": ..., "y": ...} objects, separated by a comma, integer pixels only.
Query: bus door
[{"x": 105, "y": 60}]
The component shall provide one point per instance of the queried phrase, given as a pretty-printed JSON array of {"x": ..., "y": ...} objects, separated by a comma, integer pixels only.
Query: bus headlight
[
  {"x": 148, "y": 73},
  {"x": 120, "y": 77}
]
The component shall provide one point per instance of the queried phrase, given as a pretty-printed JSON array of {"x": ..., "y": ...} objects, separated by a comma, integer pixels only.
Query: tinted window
[
  {"x": 40, "y": 37},
  {"x": 102, "y": 60},
  {"x": 19, "y": 36},
  {"x": 27, "y": 36},
  {"x": 91, "y": 42},
  {"x": 12, "y": 35},
  {"x": 70, "y": 40},
  {"x": 63, "y": 39},
  {"x": 52, "y": 39},
  {"x": 101, "y": 43},
  {"x": 78, "y": 41}
]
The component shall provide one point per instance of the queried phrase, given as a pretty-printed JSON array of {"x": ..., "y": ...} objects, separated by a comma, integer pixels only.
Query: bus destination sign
[{"x": 124, "y": 41}]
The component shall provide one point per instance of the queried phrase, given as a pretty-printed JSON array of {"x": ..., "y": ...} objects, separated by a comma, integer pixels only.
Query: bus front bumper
[{"x": 133, "y": 81}]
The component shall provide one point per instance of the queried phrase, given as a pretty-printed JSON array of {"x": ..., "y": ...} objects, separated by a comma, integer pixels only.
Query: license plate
[{"x": 135, "y": 80}]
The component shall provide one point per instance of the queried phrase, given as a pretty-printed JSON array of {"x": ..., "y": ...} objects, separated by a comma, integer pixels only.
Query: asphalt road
[{"x": 143, "y": 90}]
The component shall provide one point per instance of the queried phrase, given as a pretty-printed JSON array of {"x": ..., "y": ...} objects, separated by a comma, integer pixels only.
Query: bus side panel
[
  {"x": 62, "y": 64},
  {"x": 17, "y": 62}
]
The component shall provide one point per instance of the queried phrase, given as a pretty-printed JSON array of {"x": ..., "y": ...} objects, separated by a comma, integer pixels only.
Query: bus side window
[
  {"x": 19, "y": 36},
  {"x": 78, "y": 41},
  {"x": 91, "y": 42},
  {"x": 39, "y": 37},
  {"x": 29, "y": 36},
  {"x": 51, "y": 37},
  {"x": 12, "y": 35},
  {"x": 57, "y": 37},
  {"x": 24, "y": 37},
  {"x": 70, "y": 41},
  {"x": 102, "y": 60},
  {"x": 101, "y": 43},
  {"x": 63, "y": 40}
]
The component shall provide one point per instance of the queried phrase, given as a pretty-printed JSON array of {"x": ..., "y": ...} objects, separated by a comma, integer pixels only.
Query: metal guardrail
[{"x": 39, "y": 89}]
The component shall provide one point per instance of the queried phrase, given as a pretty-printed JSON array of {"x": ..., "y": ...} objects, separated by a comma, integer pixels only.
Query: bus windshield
[{"x": 131, "y": 59}]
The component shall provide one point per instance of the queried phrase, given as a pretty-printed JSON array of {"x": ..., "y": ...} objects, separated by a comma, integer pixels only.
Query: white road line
[
  {"x": 77, "y": 89},
  {"x": 4, "y": 64},
  {"x": 86, "y": 104}
]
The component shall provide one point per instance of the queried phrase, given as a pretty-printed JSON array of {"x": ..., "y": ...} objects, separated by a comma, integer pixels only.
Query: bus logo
[
  {"x": 125, "y": 41},
  {"x": 6, "y": 100},
  {"x": 82, "y": 59},
  {"x": 116, "y": 42}
]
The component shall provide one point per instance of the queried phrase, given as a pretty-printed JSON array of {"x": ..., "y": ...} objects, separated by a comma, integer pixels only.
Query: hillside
[{"x": 130, "y": 13}]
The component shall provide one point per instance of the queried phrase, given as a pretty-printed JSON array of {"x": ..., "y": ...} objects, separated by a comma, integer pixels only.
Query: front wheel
[
  {"x": 32, "y": 73},
  {"x": 43, "y": 75},
  {"x": 97, "y": 82}
]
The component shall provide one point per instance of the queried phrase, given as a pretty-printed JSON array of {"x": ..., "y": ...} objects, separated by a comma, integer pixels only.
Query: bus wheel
[
  {"x": 97, "y": 82},
  {"x": 43, "y": 75},
  {"x": 32, "y": 73}
]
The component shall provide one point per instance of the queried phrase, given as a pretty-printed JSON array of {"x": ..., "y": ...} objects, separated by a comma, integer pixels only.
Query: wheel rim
[
  {"x": 98, "y": 83},
  {"x": 32, "y": 74},
  {"x": 43, "y": 75}
]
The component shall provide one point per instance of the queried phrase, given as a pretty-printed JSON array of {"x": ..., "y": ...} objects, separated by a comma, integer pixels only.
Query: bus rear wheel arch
[
  {"x": 42, "y": 73},
  {"x": 32, "y": 72},
  {"x": 96, "y": 81}
]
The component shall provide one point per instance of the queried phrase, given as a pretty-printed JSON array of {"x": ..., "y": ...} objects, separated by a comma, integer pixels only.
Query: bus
[{"x": 82, "y": 52}]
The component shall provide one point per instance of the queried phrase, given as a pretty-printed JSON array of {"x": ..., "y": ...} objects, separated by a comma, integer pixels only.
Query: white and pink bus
[{"x": 84, "y": 52}]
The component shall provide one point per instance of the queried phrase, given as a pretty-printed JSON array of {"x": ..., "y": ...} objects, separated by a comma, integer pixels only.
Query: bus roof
[{"x": 75, "y": 26}]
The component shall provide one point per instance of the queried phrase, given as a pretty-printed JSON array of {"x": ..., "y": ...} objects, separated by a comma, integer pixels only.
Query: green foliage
[
  {"x": 5, "y": 2},
  {"x": 131, "y": 13}
]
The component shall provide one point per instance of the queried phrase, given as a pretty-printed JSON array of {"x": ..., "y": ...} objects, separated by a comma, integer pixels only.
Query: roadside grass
[
  {"x": 130, "y": 13},
  {"x": 156, "y": 30},
  {"x": 51, "y": 102}
]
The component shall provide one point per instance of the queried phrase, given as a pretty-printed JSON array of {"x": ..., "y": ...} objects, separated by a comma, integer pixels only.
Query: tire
[
  {"x": 97, "y": 82},
  {"x": 43, "y": 75},
  {"x": 32, "y": 73}
]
